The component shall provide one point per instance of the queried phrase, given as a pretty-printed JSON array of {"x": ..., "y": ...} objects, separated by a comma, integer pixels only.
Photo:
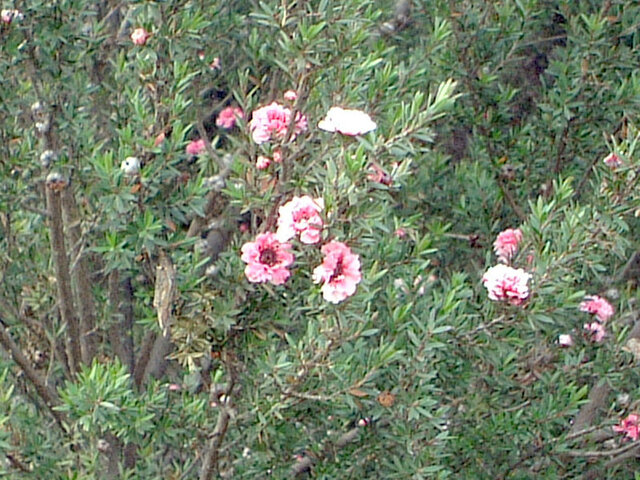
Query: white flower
[
  {"x": 130, "y": 166},
  {"x": 347, "y": 122}
]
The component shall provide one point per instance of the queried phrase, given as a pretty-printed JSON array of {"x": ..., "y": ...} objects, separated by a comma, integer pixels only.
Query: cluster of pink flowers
[
  {"x": 269, "y": 255},
  {"x": 140, "y": 36},
  {"x": 602, "y": 310},
  {"x": 347, "y": 122},
  {"x": 506, "y": 244},
  {"x": 505, "y": 283},
  {"x": 273, "y": 121},
  {"x": 228, "y": 116},
  {"x": 629, "y": 426}
]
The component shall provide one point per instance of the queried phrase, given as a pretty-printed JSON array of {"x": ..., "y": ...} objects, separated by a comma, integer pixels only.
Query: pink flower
[
  {"x": 195, "y": 147},
  {"x": 227, "y": 117},
  {"x": 301, "y": 215},
  {"x": 277, "y": 155},
  {"x": 629, "y": 426},
  {"x": 140, "y": 36},
  {"x": 612, "y": 160},
  {"x": 400, "y": 232},
  {"x": 273, "y": 121},
  {"x": 506, "y": 283},
  {"x": 347, "y": 122},
  {"x": 262, "y": 162},
  {"x": 596, "y": 329},
  {"x": 340, "y": 272},
  {"x": 7, "y": 16},
  {"x": 216, "y": 64},
  {"x": 506, "y": 244},
  {"x": 597, "y": 305},
  {"x": 379, "y": 175},
  {"x": 565, "y": 340},
  {"x": 267, "y": 259},
  {"x": 290, "y": 95}
]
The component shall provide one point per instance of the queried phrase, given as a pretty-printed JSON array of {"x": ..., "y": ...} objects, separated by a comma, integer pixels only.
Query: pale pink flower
[
  {"x": 262, "y": 162},
  {"x": 140, "y": 36},
  {"x": 290, "y": 95},
  {"x": 612, "y": 160},
  {"x": 400, "y": 232},
  {"x": 277, "y": 155},
  {"x": 340, "y": 272},
  {"x": 506, "y": 283},
  {"x": 301, "y": 215},
  {"x": 7, "y": 16},
  {"x": 273, "y": 121},
  {"x": 598, "y": 306},
  {"x": 267, "y": 259},
  {"x": 227, "y": 117},
  {"x": 347, "y": 122},
  {"x": 195, "y": 147},
  {"x": 596, "y": 329},
  {"x": 216, "y": 64},
  {"x": 506, "y": 244},
  {"x": 565, "y": 340},
  {"x": 629, "y": 426}
]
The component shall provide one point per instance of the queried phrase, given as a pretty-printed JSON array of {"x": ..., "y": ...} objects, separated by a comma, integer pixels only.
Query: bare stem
[{"x": 63, "y": 276}]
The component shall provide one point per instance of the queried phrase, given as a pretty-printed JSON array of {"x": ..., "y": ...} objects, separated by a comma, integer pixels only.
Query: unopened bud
[
  {"x": 47, "y": 158},
  {"x": 56, "y": 182}
]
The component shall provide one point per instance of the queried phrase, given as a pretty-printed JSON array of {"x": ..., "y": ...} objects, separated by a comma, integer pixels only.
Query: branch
[
  {"x": 80, "y": 279},
  {"x": 46, "y": 393},
  {"x": 55, "y": 183}
]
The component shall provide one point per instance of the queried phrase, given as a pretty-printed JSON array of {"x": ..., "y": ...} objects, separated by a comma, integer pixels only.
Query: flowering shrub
[{"x": 286, "y": 302}]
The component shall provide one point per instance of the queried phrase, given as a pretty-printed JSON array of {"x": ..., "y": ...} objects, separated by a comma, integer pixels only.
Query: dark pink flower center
[
  {"x": 337, "y": 272},
  {"x": 268, "y": 256}
]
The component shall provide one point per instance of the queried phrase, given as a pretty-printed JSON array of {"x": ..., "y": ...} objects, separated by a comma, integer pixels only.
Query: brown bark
[
  {"x": 55, "y": 184},
  {"x": 80, "y": 278}
]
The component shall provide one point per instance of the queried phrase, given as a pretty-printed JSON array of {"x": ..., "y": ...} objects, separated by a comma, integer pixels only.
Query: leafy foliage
[{"x": 490, "y": 115}]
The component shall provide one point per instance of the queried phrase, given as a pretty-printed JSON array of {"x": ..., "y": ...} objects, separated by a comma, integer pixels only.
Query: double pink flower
[{"x": 273, "y": 121}]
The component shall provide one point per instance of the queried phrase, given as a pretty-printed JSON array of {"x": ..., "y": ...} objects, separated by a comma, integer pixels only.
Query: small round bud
[
  {"x": 36, "y": 108},
  {"x": 103, "y": 446},
  {"x": 130, "y": 166},
  {"x": 43, "y": 126},
  {"x": 47, "y": 158},
  {"x": 56, "y": 182},
  {"x": 214, "y": 183}
]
